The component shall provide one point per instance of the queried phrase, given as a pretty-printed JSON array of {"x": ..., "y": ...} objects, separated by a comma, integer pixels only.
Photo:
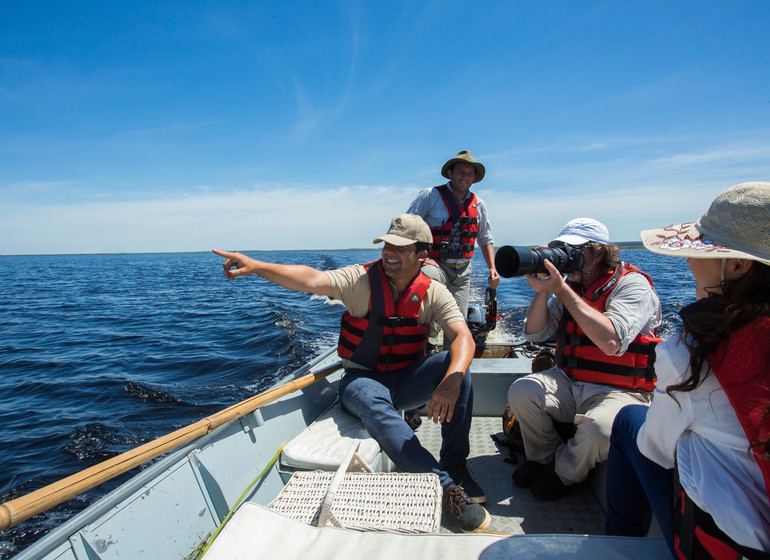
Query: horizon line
[{"x": 620, "y": 244}]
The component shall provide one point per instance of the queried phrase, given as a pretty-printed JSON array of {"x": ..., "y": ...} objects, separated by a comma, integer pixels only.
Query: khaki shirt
[{"x": 351, "y": 286}]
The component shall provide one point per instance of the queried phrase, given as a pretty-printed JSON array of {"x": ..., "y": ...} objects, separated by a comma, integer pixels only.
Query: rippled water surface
[{"x": 99, "y": 353}]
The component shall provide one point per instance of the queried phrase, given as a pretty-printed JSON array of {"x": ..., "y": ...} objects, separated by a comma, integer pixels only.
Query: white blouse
[{"x": 716, "y": 467}]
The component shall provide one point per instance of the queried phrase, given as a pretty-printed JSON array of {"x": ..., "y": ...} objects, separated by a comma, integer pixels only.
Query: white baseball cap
[{"x": 583, "y": 230}]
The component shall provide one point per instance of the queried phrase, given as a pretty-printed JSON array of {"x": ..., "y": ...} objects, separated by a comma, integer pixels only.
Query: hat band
[{"x": 680, "y": 238}]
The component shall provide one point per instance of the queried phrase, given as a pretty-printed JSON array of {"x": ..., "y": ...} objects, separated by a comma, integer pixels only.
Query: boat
[{"x": 206, "y": 490}]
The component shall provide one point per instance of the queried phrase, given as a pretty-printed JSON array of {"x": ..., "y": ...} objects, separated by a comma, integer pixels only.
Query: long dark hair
[{"x": 712, "y": 321}]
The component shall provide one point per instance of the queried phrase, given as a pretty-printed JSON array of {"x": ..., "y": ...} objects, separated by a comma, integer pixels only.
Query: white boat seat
[
  {"x": 324, "y": 443},
  {"x": 253, "y": 530}
]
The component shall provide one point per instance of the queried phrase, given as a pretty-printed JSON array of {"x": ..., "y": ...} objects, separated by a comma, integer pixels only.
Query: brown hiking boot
[
  {"x": 462, "y": 477},
  {"x": 468, "y": 515}
]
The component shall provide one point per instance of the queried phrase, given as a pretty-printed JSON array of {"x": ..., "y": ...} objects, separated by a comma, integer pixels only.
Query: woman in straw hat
[{"x": 705, "y": 439}]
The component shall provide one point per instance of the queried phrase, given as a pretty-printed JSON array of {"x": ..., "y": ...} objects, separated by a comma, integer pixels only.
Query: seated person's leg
[
  {"x": 591, "y": 442},
  {"x": 536, "y": 400},
  {"x": 455, "y": 434},
  {"x": 417, "y": 384},
  {"x": 366, "y": 397},
  {"x": 593, "y": 423},
  {"x": 636, "y": 486},
  {"x": 455, "y": 443},
  {"x": 370, "y": 400}
]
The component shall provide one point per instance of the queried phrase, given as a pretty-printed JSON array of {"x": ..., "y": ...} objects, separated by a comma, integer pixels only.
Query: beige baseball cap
[
  {"x": 407, "y": 229},
  {"x": 736, "y": 226}
]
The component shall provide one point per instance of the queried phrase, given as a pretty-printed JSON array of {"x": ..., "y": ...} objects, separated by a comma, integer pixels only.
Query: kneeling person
[{"x": 390, "y": 305}]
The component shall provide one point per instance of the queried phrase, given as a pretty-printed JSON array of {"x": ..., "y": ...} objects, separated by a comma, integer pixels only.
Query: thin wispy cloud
[
  {"x": 627, "y": 195},
  {"x": 320, "y": 113},
  {"x": 309, "y": 128}
]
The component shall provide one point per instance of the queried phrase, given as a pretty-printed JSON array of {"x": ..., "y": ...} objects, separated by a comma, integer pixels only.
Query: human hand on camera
[{"x": 551, "y": 283}]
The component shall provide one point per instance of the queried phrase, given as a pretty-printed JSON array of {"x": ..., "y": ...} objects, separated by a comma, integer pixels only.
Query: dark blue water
[{"x": 100, "y": 353}]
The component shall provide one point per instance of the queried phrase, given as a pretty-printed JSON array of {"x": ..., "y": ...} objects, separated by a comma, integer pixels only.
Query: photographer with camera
[{"x": 605, "y": 314}]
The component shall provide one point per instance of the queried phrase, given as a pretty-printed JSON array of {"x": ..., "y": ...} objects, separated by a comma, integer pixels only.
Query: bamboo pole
[{"x": 15, "y": 511}]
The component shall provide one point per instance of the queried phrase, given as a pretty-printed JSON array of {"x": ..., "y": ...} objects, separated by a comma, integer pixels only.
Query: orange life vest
[
  {"x": 582, "y": 360},
  {"x": 456, "y": 238},
  {"x": 388, "y": 337}
]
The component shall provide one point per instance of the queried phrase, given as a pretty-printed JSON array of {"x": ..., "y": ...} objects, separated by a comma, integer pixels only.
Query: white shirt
[{"x": 716, "y": 468}]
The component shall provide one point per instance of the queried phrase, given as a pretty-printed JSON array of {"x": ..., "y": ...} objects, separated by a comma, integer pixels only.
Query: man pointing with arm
[{"x": 390, "y": 305}]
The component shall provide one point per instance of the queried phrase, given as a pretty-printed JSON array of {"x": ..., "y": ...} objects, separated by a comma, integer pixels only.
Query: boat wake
[
  {"x": 92, "y": 441},
  {"x": 148, "y": 394}
]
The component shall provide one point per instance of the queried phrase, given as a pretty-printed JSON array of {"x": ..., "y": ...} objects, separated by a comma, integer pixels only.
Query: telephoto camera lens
[{"x": 518, "y": 261}]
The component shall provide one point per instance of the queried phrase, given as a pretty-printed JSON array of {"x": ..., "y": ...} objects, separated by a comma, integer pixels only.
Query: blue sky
[{"x": 153, "y": 126}]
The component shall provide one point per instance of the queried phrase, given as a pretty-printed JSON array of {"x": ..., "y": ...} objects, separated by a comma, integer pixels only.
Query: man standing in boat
[
  {"x": 605, "y": 317},
  {"x": 390, "y": 305},
  {"x": 457, "y": 219}
]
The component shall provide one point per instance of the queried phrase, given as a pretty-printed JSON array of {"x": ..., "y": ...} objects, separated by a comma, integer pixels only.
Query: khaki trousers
[
  {"x": 458, "y": 282},
  {"x": 538, "y": 399}
]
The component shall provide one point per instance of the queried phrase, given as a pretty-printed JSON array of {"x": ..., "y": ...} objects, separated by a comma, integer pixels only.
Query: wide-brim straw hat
[
  {"x": 736, "y": 226},
  {"x": 464, "y": 156}
]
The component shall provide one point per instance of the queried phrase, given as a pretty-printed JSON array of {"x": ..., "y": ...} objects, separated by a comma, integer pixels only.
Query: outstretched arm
[{"x": 299, "y": 278}]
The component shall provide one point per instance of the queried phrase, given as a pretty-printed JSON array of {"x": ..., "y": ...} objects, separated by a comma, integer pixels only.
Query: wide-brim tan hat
[
  {"x": 464, "y": 156},
  {"x": 736, "y": 226},
  {"x": 406, "y": 229}
]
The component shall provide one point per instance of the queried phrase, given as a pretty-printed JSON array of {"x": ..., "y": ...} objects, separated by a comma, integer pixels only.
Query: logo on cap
[{"x": 397, "y": 225}]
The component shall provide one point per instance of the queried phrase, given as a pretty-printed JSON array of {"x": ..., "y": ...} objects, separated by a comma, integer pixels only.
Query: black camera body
[{"x": 518, "y": 261}]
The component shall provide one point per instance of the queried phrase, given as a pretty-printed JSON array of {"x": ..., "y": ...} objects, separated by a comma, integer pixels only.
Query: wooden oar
[{"x": 15, "y": 511}]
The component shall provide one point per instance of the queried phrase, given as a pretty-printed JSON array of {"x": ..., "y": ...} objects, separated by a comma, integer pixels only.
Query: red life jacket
[
  {"x": 582, "y": 360},
  {"x": 388, "y": 337},
  {"x": 697, "y": 536},
  {"x": 456, "y": 237},
  {"x": 742, "y": 367}
]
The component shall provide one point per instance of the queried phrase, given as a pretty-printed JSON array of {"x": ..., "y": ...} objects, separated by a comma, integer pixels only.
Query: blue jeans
[
  {"x": 376, "y": 398},
  {"x": 636, "y": 486}
]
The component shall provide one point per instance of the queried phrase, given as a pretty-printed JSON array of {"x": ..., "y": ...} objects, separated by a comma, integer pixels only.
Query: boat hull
[
  {"x": 178, "y": 501},
  {"x": 166, "y": 510}
]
